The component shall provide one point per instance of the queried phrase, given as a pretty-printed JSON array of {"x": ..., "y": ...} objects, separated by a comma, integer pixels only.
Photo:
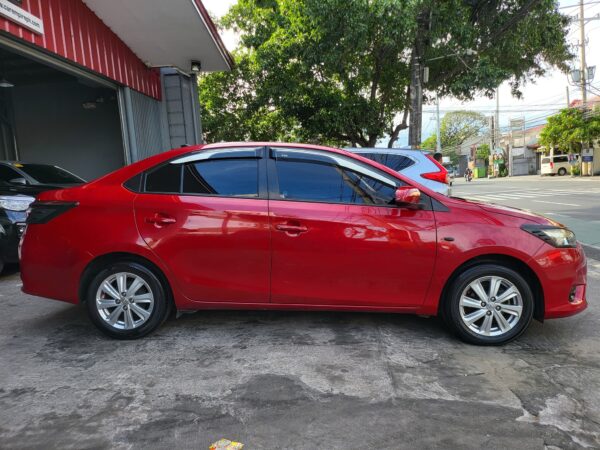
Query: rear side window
[
  {"x": 227, "y": 177},
  {"x": 561, "y": 159},
  {"x": 165, "y": 179},
  {"x": 394, "y": 162},
  {"x": 546, "y": 161}
]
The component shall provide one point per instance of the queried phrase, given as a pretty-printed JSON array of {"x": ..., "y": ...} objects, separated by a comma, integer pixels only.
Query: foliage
[
  {"x": 455, "y": 128},
  {"x": 571, "y": 127},
  {"x": 483, "y": 152},
  {"x": 337, "y": 71}
]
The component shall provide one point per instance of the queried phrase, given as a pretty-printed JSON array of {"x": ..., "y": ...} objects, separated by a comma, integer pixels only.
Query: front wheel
[
  {"x": 562, "y": 172},
  {"x": 127, "y": 301},
  {"x": 489, "y": 304}
]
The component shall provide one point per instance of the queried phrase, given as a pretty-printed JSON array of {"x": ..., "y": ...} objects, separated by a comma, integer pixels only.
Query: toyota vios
[{"x": 298, "y": 227}]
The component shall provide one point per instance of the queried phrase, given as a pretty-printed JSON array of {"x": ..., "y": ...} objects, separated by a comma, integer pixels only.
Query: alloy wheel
[
  {"x": 491, "y": 306},
  {"x": 124, "y": 301}
]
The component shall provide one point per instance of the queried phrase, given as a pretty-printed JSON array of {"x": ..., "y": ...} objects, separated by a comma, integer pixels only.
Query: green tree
[
  {"x": 571, "y": 128},
  {"x": 337, "y": 71},
  {"x": 455, "y": 128}
]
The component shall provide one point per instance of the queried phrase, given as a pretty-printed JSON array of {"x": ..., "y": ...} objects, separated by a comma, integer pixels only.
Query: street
[{"x": 574, "y": 202}]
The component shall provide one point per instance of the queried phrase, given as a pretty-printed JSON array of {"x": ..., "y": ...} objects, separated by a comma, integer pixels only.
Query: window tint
[
  {"x": 321, "y": 182},
  {"x": 394, "y": 162},
  {"x": 546, "y": 161},
  {"x": 228, "y": 177},
  {"x": 561, "y": 159},
  {"x": 166, "y": 179},
  {"x": 7, "y": 174}
]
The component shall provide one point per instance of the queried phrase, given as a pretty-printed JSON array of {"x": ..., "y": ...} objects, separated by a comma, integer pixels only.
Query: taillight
[
  {"x": 552, "y": 165},
  {"x": 441, "y": 176},
  {"x": 44, "y": 212}
]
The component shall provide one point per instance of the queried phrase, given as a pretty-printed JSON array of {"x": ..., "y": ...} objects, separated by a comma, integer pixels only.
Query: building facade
[{"x": 91, "y": 85}]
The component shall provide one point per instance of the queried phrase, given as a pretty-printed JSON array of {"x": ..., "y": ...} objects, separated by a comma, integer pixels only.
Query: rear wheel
[
  {"x": 562, "y": 171},
  {"x": 127, "y": 301},
  {"x": 489, "y": 304}
]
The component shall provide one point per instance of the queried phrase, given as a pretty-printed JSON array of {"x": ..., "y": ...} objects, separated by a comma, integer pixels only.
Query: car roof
[{"x": 387, "y": 150}]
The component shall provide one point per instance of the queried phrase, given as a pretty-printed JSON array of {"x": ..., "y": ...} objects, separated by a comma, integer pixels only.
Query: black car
[{"x": 20, "y": 183}]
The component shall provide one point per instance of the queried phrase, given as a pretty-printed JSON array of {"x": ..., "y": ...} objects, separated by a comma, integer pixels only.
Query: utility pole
[
  {"x": 583, "y": 62},
  {"x": 497, "y": 134},
  {"x": 416, "y": 99},
  {"x": 568, "y": 97},
  {"x": 416, "y": 78},
  {"x": 438, "y": 143}
]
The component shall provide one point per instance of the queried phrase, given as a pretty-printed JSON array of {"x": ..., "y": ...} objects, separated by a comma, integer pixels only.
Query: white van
[{"x": 556, "y": 165}]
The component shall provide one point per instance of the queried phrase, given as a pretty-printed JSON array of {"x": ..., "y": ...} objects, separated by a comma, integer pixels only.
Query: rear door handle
[
  {"x": 160, "y": 219},
  {"x": 291, "y": 229}
]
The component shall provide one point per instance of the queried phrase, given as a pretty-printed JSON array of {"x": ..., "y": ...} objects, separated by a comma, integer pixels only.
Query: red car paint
[{"x": 218, "y": 252}]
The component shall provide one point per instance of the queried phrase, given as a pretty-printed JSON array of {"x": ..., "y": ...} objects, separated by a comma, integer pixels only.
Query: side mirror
[
  {"x": 408, "y": 196},
  {"x": 20, "y": 180}
]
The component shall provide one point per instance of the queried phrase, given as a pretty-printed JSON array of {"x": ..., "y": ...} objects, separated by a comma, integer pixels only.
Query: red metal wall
[{"x": 74, "y": 32}]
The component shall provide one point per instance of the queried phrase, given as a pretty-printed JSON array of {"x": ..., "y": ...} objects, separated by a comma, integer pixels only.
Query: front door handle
[
  {"x": 160, "y": 219},
  {"x": 291, "y": 228}
]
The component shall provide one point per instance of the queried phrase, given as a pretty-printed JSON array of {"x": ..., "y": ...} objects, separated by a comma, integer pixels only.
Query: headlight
[
  {"x": 15, "y": 203},
  {"x": 556, "y": 236}
]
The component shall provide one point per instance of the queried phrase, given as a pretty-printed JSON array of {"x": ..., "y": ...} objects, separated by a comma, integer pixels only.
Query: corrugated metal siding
[
  {"x": 146, "y": 125},
  {"x": 74, "y": 32},
  {"x": 178, "y": 97}
]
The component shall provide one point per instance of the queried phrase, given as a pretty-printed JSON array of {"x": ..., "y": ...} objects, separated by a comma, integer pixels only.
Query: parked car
[
  {"x": 294, "y": 227},
  {"x": 19, "y": 184},
  {"x": 416, "y": 164},
  {"x": 556, "y": 165}
]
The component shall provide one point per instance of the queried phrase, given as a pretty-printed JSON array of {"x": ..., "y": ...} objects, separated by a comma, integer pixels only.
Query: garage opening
[{"x": 49, "y": 116}]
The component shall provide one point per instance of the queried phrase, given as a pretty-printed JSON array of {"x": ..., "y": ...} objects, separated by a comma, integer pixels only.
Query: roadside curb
[{"x": 591, "y": 251}]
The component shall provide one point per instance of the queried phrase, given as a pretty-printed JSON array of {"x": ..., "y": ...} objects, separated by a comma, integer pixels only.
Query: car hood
[{"x": 512, "y": 212}]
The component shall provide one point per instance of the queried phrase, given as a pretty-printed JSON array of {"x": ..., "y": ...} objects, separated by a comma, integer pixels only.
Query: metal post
[
  {"x": 438, "y": 144},
  {"x": 568, "y": 97},
  {"x": 497, "y": 118}
]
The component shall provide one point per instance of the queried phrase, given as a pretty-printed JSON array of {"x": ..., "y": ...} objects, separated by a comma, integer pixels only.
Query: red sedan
[{"x": 298, "y": 227}]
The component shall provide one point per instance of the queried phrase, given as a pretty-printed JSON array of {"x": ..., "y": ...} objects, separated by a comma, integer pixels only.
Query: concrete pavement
[{"x": 292, "y": 380}]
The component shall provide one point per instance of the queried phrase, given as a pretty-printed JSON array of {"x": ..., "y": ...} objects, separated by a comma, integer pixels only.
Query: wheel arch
[
  {"x": 100, "y": 261},
  {"x": 507, "y": 261}
]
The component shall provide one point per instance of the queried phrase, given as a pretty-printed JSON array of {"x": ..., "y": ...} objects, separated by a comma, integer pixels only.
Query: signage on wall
[{"x": 18, "y": 15}]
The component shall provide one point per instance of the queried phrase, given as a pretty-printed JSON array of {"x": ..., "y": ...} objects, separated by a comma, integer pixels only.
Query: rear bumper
[{"x": 563, "y": 275}]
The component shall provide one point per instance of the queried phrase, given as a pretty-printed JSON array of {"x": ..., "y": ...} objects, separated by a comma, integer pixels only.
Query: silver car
[{"x": 415, "y": 164}]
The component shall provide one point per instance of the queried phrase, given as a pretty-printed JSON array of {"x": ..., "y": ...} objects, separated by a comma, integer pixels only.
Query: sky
[{"x": 540, "y": 99}]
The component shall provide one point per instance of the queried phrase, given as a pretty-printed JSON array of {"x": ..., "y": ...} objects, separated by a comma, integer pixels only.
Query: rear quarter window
[
  {"x": 394, "y": 162},
  {"x": 546, "y": 161},
  {"x": 561, "y": 159}
]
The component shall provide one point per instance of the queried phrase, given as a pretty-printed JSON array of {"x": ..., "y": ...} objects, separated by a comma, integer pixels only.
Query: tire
[
  {"x": 562, "y": 172},
  {"x": 143, "y": 308},
  {"x": 462, "y": 305}
]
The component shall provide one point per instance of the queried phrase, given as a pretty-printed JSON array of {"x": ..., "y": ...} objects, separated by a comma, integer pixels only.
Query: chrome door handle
[
  {"x": 291, "y": 229},
  {"x": 160, "y": 219}
]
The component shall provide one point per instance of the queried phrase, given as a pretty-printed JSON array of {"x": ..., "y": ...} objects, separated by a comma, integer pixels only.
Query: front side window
[{"x": 326, "y": 181}]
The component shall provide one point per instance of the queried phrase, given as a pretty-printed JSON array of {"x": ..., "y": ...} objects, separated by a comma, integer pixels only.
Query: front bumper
[{"x": 563, "y": 275}]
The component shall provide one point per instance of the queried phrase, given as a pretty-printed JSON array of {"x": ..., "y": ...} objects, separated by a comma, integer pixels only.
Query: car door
[
  {"x": 206, "y": 217},
  {"x": 339, "y": 239}
]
